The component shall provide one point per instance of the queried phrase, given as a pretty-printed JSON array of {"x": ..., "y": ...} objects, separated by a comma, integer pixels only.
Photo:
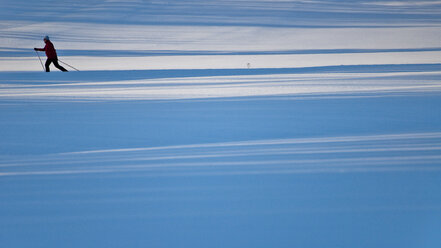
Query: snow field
[{"x": 221, "y": 124}]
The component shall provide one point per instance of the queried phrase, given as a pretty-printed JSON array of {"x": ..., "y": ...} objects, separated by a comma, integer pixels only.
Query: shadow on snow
[
  {"x": 120, "y": 75},
  {"x": 20, "y": 52}
]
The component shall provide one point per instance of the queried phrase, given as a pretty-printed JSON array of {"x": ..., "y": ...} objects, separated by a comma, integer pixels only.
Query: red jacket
[{"x": 50, "y": 50}]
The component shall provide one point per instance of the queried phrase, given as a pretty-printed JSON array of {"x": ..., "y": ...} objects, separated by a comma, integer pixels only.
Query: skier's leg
[
  {"x": 48, "y": 62},
  {"x": 58, "y": 65}
]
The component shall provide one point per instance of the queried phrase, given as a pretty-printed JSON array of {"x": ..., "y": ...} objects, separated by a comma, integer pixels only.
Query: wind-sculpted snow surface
[
  {"x": 224, "y": 83},
  {"x": 360, "y": 154},
  {"x": 221, "y": 124}
]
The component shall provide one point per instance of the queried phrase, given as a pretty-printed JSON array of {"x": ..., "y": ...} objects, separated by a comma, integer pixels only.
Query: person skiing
[{"x": 51, "y": 54}]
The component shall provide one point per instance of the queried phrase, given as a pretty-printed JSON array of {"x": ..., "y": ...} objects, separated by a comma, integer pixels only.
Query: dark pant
[{"x": 55, "y": 61}]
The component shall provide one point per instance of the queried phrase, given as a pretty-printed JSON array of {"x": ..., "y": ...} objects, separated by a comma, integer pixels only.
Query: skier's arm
[{"x": 41, "y": 49}]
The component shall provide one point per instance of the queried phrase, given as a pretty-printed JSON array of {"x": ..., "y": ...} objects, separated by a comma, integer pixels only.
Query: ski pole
[
  {"x": 40, "y": 60},
  {"x": 69, "y": 65}
]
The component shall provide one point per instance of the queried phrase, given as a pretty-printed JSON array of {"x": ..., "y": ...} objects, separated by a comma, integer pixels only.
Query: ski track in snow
[{"x": 354, "y": 154}]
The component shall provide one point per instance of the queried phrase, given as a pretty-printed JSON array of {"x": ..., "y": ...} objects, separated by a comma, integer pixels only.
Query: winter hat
[{"x": 46, "y": 37}]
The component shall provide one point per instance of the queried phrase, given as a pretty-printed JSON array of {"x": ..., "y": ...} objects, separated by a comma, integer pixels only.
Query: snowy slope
[{"x": 221, "y": 124}]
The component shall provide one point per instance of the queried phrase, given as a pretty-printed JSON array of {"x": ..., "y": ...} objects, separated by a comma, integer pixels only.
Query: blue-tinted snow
[{"x": 327, "y": 155}]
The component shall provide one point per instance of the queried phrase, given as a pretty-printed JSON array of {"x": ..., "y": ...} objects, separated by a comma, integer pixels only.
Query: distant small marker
[{"x": 248, "y": 65}]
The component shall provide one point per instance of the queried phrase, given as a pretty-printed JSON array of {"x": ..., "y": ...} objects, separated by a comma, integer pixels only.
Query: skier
[{"x": 51, "y": 54}]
